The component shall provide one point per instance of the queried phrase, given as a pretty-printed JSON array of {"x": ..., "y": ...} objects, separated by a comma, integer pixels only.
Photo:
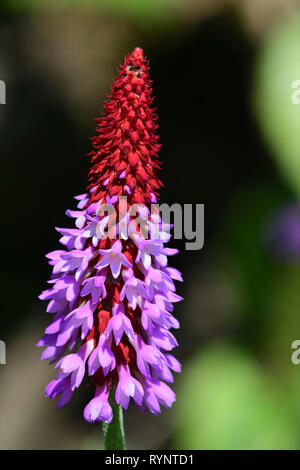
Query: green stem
[{"x": 114, "y": 435}]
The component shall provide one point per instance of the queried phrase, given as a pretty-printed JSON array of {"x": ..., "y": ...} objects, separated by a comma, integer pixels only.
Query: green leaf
[{"x": 227, "y": 400}]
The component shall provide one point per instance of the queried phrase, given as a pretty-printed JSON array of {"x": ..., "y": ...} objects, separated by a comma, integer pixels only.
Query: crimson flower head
[{"x": 111, "y": 290}]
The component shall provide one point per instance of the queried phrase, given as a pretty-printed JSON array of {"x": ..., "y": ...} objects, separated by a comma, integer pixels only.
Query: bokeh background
[{"x": 222, "y": 73}]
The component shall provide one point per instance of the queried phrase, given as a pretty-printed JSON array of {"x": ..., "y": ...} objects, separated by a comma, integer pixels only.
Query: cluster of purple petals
[{"x": 79, "y": 283}]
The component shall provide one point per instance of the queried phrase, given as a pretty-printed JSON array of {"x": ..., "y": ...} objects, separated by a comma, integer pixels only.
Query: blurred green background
[{"x": 222, "y": 75}]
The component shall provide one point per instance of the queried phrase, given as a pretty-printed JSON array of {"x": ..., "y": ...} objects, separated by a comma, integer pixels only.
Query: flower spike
[{"x": 111, "y": 290}]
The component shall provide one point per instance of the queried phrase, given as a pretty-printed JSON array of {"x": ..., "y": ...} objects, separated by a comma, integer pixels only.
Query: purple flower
[
  {"x": 98, "y": 409},
  {"x": 95, "y": 286},
  {"x": 95, "y": 228},
  {"x": 128, "y": 387},
  {"x": 132, "y": 288},
  {"x": 146, "y": 248},
  {"x": 102, "y": 356},
  {"x": 119, "y": 324},
  {"x": 114, "y": 258}
]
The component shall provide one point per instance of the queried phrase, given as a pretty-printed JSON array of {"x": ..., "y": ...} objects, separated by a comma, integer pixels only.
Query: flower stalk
[{"x": 114, "y": 434}]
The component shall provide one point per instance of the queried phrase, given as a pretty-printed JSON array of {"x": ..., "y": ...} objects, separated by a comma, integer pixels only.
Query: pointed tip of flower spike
[{"x": 138, "y": 53}]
